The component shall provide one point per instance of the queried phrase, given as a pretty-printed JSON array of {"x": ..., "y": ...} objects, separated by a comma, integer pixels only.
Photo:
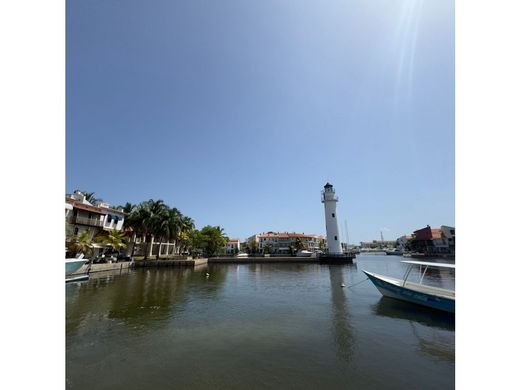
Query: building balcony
[{"x": 87, "y": 221}]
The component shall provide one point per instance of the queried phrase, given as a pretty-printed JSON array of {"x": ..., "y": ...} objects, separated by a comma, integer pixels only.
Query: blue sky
[{"x": 238, "y": 113}]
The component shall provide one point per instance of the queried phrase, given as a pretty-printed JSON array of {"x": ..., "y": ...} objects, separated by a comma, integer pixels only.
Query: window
[
  {"x": 75, "y": 231},
  {"x": 336, "y": 238},
  {"x": 109, "y": 218},
  {"x": 332, "y": 215}
]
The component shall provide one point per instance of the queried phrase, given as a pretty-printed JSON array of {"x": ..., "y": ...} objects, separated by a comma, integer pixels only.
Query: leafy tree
[
  {"x": 323, "y": 245},
  {"x": 80, "y": 244},
  {"x": 194, "y": 242},
  {"x": 292, "y": 249},
  {"x": 268, "y": 248},
  {"x": 300, "y": 244},
  {"x": 252, "y": 245},
  {"x": 212, "y": 240},
  {"x": 114, "y": 239}
]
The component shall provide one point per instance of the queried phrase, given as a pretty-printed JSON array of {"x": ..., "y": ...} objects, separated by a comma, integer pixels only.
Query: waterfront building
[
  {"x": 233, "y": 246},
  {"x": 329, "y": 199},
  {"x": 402, "y": 241},
  {"x": 81, "y": 215},
  {"x": 434, "y": 241},
  {"x": 449, "y": 233},
  {"x": 282, "y": 242}
]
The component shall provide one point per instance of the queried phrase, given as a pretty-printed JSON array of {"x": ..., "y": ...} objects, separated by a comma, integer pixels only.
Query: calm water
[{"x": 253, "y": 327}]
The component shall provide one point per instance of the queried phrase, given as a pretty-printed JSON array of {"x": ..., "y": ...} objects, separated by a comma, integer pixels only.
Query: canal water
[{"x": 255, "y": 326}]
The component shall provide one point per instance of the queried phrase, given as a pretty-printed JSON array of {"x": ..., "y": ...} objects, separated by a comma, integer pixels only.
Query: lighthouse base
[{"x": 343, "y": 258}]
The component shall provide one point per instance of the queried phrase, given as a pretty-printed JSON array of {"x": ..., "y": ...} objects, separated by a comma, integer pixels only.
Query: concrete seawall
[
  {"x": 89, "y": 268},
  {"x": 263, "y": 260},
  {"x": 169, "y": 263}
]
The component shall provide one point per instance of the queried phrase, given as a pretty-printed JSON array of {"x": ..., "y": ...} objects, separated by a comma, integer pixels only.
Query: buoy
[{"x": 342, "y": 285}]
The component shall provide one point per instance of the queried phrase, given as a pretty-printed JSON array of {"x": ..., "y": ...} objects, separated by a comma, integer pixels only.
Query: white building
[
  {"x": 281, "y": 243},
  {"x": 449, "y": 234},
  {"x": 233, "y": 246},
  {"x": 329, "y": 199},
  {"x": 81, "y": 215}
]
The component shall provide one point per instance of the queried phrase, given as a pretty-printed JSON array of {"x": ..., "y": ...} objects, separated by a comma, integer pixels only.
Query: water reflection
[
  {"x": 394, "y": 308},
  {"x": 438, "y": 340},
  {"x": 142, "y": 299},
  {"x": 342, "y": 328}
]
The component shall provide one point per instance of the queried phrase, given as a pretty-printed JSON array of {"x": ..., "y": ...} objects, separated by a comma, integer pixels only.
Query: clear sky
[{"x": 238, "y": 112}]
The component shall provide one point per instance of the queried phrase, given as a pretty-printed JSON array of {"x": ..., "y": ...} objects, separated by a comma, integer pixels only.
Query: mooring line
[{"x": 358, "y": 283}]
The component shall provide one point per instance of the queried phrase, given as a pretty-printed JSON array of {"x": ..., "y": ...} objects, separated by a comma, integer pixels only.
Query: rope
[{"x": 357, "y": 283}]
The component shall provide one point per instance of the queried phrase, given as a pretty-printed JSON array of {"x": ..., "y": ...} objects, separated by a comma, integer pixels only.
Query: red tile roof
[
  {"x": 94, "y": 209},
  {"x": 436, "y": 234}
]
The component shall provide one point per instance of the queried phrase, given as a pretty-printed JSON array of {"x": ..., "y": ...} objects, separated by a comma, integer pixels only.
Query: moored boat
[
  {"x": 419, "y": 293},
  {"x": 394, "y": 252},
  {"x": 304, "y": 253},
  {"x": 73, "y": 264}
]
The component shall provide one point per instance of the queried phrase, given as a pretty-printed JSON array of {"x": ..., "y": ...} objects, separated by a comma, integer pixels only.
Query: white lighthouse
[{"x": 329, "y": 198}]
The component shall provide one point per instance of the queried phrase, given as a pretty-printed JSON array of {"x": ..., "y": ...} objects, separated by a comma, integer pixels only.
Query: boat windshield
[{"x": 432, "y": 274}]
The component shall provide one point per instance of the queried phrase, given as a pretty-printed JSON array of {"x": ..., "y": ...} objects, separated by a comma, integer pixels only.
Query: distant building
[
  {"x": 449, "y": 233},
  {"x": 280, "y": 243},
  {"x": 376, "y": 244},
  {"x": 233, "y": 246},
  {"x": 81, "y": 215},
  {"x": 402, "y": 241},
  {"x": 435, "y": 241}
]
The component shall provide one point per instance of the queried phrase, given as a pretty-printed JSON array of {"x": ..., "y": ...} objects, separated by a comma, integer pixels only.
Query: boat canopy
[{"x": 429, "y": 264}]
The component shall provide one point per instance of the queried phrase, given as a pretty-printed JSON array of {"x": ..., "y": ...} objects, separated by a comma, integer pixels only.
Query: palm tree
[
  {"x": 187, "y": 225},
  {"x": 268, "y": 248},
  {"x": 157, "y": 221},
  {"x": 114, "y": 239},
  {"x": 81, "y": 244},
  {"x": 134, "y": 221},
  {"x": 300, "y": 244},
  {"x": 89, "y": 197},
  {"x": 128, "y": 208}
]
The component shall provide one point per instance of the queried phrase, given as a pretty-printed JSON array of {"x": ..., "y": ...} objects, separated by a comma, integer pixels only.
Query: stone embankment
[
  {"x": 169, "y": 263},
  {"x": 262, "y": 260},
  {"x": 89, "y": 268}
]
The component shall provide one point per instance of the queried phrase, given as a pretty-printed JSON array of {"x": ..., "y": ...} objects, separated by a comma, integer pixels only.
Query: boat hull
[
  {"x": 72, "y": 265},
  {"x": 405, "y": 294}
]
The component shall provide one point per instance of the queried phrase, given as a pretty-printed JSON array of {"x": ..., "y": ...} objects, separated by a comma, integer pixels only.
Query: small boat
[
  {"x": 394, "y": 252},
  {"x": 304, "y": 253},
  {"x": 419, "y": 293},
  {"x": 242, "y": 255},
  {"x": 75, "y": 263}
]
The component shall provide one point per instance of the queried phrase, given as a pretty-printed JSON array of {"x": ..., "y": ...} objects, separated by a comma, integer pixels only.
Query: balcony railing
[{"x": 87, "y": 221}]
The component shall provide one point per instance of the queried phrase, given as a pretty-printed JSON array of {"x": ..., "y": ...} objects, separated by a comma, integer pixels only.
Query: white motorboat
[
  {"x": 304, "y": 253},
  {"x": 75, "y": 263},
  {"x": 419, "y": 293}
]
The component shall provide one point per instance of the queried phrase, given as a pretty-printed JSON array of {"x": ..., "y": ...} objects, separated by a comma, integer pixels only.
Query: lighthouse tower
[{"x": 329, "y": 198}]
